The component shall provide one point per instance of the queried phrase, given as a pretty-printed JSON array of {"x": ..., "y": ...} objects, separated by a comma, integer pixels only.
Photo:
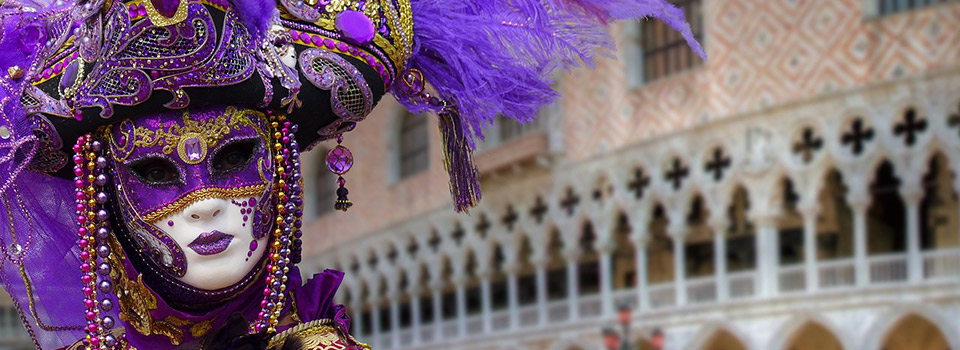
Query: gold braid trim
[
  {"x": 203, "y": 194},
  {"x": 321, "y": 334},
  {"x": 136, "y": 301}
]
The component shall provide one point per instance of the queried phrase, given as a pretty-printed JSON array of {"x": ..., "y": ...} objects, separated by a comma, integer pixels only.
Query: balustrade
[
  {"x": 939, "y": 264},
  {"x": 837, "y": 273},
  {"x": 591, "y": 306},
  {"x": 792, "y": 279},
  {"x": 888, "y": 268},
  {"x": 702, "y": 290},
  {"x": 742, "y": 284},
  {"x": 662, "y": 295}
]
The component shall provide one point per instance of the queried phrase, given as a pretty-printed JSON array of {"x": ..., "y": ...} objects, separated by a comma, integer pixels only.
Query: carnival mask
[{"x": 193, "y": 189}]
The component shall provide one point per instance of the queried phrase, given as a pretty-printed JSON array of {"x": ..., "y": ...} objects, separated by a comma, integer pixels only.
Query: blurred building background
[{"x": 797, "y": 191}]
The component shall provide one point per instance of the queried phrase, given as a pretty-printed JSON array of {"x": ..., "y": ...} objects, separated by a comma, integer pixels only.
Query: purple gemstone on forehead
[
  {"x": 166, "y": 8},
  {"x": 194, "y": 152},
  {"x": 355, "y": 27},
  {"x": 339, "y": 160}
]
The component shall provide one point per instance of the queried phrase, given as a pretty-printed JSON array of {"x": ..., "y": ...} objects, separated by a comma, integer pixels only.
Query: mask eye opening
[
  {"x": 234, "y": 156},
  {"x": 157, "y": 171}
]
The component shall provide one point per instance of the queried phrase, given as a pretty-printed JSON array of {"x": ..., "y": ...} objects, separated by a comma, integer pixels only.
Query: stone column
[
  {"x": 487, "y": 302},
  {"x": 375, "y": 321},
  {"x": 437, "y": 312},
  {"x": 541, "y": 265},
  {"x": 415, "y": 314},
  {"x": 573, "y": 295},
  {"x": 513, "y": 296},
  {"x": 678, "y": 233},
  {"x": 357, "y": 325},
  {"x": 461, "y": 307},
  {"x": 643, "y": 292},
  {"x": 768, "y": 256},
  {"x": 720, "y": 259},
  {"x": 606, "y": 278},
  {"x": 394, "y": 321},
  {"x": 861, "y": 267},
  {"x": 811, "y": 273},
  {"x": 912, "y": 199}
]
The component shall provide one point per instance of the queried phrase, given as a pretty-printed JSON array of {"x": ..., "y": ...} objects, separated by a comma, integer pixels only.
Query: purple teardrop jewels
[
  {"x": 355, "y": 27},
  {"x": 339, "y": 160}
]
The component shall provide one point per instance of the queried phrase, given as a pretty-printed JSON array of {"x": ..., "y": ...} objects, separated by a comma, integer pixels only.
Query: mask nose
[{"x": 204, "y": 210}]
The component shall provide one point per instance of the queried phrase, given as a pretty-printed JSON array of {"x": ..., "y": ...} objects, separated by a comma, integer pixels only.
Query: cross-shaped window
[
  {"x": 373, "y": 259},
  {"x": 510, "y": 218},
  {"x": 639, "y": 183},
  {"x": 539, "y": 209},
  {"x": 413, "y": 247},
  {"x": 483, "y": 226},
  {"x": 954, "y": 119},
  {"x": 718, "y": 164},
  {"x": 570, "y": 201},
  {"x": 808, "y": 145},
  {"x": 458, "y": 234},
  {"x": 392, "y": 255},
  {"x": 677, "y": 173},
  {"x": 911, "y": 126},
  {"x": 859, "y": 135},
  {"x": 434, "y": 241}
]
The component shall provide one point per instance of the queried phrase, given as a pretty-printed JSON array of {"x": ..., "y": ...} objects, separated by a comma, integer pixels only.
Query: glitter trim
[{"x": 203, "y": 194}]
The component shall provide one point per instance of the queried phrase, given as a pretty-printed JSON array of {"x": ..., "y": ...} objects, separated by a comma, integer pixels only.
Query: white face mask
[{"x": 216, "y": 237}]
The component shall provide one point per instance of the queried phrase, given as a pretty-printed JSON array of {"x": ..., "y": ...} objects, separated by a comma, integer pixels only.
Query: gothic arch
[
  {"x": 876, "y": 334},
  {"x": 707, "y": 332},
  {"x": 789, "y": 329}
]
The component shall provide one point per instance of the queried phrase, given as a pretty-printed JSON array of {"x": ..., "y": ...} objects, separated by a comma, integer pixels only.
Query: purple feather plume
[
  {"x": 496, "y": 57},
  {"x": 256, "y": 15}
]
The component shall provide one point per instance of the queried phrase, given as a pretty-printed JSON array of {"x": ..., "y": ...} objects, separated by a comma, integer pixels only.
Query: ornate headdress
[
  {"x": 325, "y": 62},
  {"x": 316, "y": 67}
]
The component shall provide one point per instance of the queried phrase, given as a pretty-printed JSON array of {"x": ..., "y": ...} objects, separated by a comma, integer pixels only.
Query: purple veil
[{"x": 39, "y": 267}]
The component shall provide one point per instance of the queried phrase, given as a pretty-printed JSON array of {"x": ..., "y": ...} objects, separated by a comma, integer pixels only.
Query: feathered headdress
[
  {"x": 325, "y": 63},
  {"x": 489, "y": 58}
]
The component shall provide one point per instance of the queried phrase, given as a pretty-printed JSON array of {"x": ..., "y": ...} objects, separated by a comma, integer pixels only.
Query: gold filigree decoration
[
  {"x": 203, "y": 194},
  {"x": 398, "y": 47},
  {"x": 136, "y": 301},
  {"x": 171, "y": 135},
  {"x": 316, "y": 335},
  {"x": 201, "y": 329}
]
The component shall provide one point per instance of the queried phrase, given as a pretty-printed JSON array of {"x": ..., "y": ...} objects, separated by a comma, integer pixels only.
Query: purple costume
[{"x": 121, "y": 121}]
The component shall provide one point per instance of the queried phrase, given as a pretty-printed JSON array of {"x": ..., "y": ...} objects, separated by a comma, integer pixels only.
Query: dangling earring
[
  {"x": 340, "y": 161},
  {"x": 93, "y": 229}
]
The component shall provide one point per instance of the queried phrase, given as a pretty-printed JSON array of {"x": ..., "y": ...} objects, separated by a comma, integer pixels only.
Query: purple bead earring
[{"x": 340, "y": 161}]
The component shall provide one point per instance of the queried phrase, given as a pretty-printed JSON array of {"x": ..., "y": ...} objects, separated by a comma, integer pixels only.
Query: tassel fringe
[{"x": 458, "y": 161}]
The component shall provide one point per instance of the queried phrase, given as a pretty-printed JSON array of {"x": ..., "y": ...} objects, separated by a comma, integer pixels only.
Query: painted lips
[{"x": 210, "y": 243}]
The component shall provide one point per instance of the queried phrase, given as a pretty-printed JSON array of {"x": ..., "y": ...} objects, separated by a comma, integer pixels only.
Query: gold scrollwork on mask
[
  {"x": 136, "y": 301},
  {"x": 182, "y": 136}
]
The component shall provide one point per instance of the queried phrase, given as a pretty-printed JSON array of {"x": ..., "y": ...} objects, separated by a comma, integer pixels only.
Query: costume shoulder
[{"x": 316, "y": 335}]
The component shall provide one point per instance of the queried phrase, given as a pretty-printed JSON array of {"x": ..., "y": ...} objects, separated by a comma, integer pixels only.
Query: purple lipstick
[{"x": 211, "y": 243}]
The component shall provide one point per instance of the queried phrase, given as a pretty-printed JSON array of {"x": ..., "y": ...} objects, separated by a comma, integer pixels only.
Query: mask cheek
[{"x": 158, "y": 246}]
